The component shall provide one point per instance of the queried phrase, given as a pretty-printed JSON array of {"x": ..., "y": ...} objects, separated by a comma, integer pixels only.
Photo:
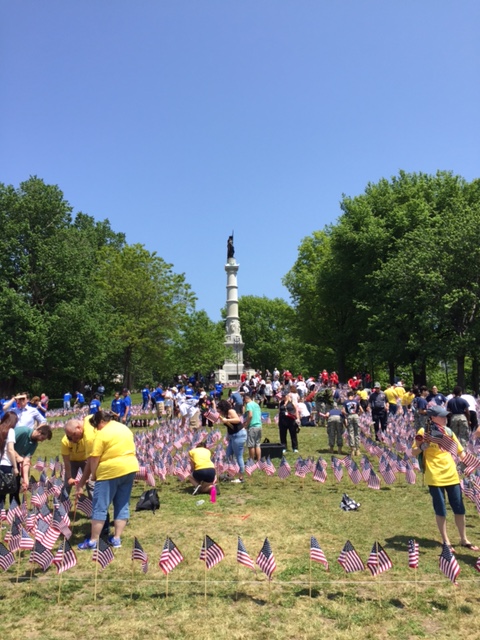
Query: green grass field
[{"x": 402, "y": 603}]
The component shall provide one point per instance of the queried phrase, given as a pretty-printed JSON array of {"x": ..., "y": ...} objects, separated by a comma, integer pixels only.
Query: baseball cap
[
  {"x": 437, "y": 411},
  {"x": 377, "y": 385}
]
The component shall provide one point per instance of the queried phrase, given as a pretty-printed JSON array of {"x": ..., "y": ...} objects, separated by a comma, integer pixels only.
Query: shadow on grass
[
  {"x": 400, "y": 543},
  {"x": 395, "y": 602}
]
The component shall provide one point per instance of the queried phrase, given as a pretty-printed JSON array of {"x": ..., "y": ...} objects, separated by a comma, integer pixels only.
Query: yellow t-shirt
[
  {"x": 114, "y": 446},
  {"x": 392, "y": 395},
  {"x": 407, "y": 398},
  {"x": 79, "y": 451},
  {"x": 363, "y": 394},
  {"x": 440, "y": 467},
  {"x": 400, "y": 391},
  {"x": 201, "y": 458}
]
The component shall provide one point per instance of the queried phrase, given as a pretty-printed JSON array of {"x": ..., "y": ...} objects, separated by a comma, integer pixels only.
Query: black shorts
[{"x": 204, "y": 475}]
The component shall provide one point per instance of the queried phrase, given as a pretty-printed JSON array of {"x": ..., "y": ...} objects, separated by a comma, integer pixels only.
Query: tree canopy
[{"x": 396, "y": 280}]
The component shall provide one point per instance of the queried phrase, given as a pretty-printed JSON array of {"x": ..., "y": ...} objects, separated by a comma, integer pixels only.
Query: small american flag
[
  {"x": 320, "y": 475},
  {"x": 15, "y": 510},
  {"x": 103, "y": 554},
  {"x": 212, "y": 554},
  {"x": 448, "y": 564},
  {"x": 387, "y": 474},
  {"x": 284, "y": 469},
  {"x": 269, "y": 467},
  {"x": 40, "y": 497},
  {"x": 46, "y": 534},
  {"x": 471, "y": 463},
  {"x": 61, "y": 521},
  {"x": 242, "y": 555},
  {"x": 349, "y": 559},
  {"x": 41, "y": 555},
  {"x": 353, "y": 470},
  {"x": 170, "y": 556},
  {"x": 413, "y": 554},
  {"x": 266, "y": 559},
  {"x": 410, "y": 476},
  {"x": 139, "y": 554},
  {"x": 437, "y": 435},
  {"x": 65, "y": 557},
  {"x": 6, "y": 557},
  {"x": 85, "y": 506},
  {"x": 378, "y": 561},
  {"x": 316, "y": 552},
  {"x": 26, "y": 542},
  {"x": 211, "y": 415},
  {"x": 301, "y": 467},
  {"x": 337, "y": 469},
  {"x": 15, "y": 535},
  {"x": 373, "y": 480}
]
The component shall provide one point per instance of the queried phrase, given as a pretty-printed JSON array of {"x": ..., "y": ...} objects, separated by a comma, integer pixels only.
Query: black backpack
[{"x": 148, "y": 501}]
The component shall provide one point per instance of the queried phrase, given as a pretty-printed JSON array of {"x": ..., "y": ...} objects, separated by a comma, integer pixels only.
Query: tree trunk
[
  {"x": 475, "y": 375},
  {"x": 419, "y": 370},
  {"x": 461, "y": 371},
  {"x": 391, "y": 372}
]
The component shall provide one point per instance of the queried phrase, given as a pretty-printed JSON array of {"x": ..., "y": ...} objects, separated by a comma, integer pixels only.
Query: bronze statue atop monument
[{"x": 230, "y": 247}]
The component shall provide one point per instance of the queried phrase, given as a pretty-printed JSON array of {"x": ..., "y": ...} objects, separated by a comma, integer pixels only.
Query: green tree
[
  {"x": 148, "y": 304},
  {"x": 197, "y": 347},
  {"x": 268, "y": 331}
]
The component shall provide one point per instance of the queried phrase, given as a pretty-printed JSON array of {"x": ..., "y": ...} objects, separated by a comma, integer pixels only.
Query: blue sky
[{"x": 181, "y": 121}]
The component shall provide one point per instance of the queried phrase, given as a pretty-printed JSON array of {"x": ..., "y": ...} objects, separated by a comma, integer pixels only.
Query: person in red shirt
[
  {"x": 334, "y": 378},
  {"x": 324, "y": 377}
]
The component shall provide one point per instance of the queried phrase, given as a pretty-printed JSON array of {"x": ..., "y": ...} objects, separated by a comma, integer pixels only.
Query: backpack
[{"x": 148, "y": 501}]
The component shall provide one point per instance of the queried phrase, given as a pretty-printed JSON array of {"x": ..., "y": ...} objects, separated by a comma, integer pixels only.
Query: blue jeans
[
  {"x": 116, "y": 490},
  {"x": 236, "y": 444}
]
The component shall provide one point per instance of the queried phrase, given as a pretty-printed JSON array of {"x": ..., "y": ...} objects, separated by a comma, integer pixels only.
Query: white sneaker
[
  {"x": 235, "y": 480},
  {"x": 295, "y": 451}
]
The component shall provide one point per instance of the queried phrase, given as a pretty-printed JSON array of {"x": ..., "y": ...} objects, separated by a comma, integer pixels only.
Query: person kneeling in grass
[{"x": 203, "y": 475}]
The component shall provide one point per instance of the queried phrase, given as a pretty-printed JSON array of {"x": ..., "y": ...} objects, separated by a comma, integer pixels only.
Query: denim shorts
[
  {"x": 116, "y": 491},
  {"x": 454, "y": 494}
]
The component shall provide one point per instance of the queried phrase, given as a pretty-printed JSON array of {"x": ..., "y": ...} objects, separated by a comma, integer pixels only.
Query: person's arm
[
  {"x": 25, "y": 472},
  {"x": 12, "y": 457},
  {"x": 232, "y": 418},
  {"x": 8, "y": 403},
  {"x": 248, "y": 419},
  {"x": 68, "y": 468},
  {"x": 94, "y": 460},
  {"x": 85, "y": 477}
]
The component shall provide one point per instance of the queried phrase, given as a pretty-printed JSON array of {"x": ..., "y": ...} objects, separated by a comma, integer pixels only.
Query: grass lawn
[{"x": 401, "y": 603}]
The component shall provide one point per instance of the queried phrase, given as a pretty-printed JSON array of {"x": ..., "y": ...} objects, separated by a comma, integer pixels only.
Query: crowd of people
[{"x": 99, "y": 450}]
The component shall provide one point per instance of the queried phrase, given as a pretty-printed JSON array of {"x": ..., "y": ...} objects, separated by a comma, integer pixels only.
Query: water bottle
[{"x": 213, "y": 494}]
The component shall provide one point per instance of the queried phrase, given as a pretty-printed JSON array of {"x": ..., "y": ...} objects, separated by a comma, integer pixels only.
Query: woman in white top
[{"x": 8, "y": 460}]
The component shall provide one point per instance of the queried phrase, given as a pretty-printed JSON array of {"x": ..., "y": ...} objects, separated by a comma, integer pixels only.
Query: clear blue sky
[{"x": 181, "y": 120}]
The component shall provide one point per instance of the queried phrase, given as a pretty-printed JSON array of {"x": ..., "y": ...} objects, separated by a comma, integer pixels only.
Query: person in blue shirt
[
  {"x": 145, "y": 397},
  {"x": 116, "y": 405},
  {"x": 80, "y": 399},
  {"x": 159, "y": 400},
  {"x": 219, "y": 390},
  {"x": 94, "y": 404},
  {"x": 437, "y": 397},
  {"x": 126, "y": 407},
  {"x": 189, "y": 391},
  {"x": 67, "y": 399}
]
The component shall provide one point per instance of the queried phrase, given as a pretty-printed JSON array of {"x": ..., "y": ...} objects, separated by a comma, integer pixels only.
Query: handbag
[{"x": 8, "y": 483}]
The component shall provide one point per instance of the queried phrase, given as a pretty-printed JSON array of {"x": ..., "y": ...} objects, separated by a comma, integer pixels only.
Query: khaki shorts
[{"x": 254, "y": 436}]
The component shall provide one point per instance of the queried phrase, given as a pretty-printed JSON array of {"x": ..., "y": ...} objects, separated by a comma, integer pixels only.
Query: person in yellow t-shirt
[
  {"x": 203, "y": 470},
  {"x": 392, "y": 397},
  {"x": 407, "y": 400},
  {"x": 441, "y": 476},
  {"x": 113, "y": 465},
  {"x": 75, "y": 447}
]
